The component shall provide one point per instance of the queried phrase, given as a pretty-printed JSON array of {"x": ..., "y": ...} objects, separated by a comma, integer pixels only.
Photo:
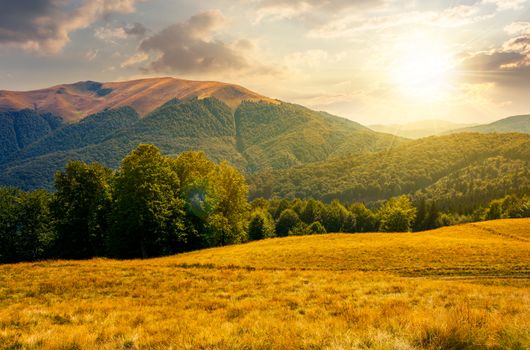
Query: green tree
[
  {"x": 287, "y": 221},
  {"x": 335, "y": 216},
  {"x": 80, "y": 208},
  {"x": 365, "y": 219},
  {"x": 313, "y": 211},
  {"x": 147, "y": 217},
  {"x": 421, "y": 213},
  {"x": 316, "y": 227},
  {"x": 396, "y": 215},
  {"x": 25, "y": 225},
  {"x": 231, "y": 192},
  {"x": 261, "y": 225},
  {"x": 494, "y": 210}
]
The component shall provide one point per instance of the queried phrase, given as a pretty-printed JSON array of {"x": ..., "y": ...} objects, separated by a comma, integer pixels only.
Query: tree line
[{"x": 156, "y": 205}]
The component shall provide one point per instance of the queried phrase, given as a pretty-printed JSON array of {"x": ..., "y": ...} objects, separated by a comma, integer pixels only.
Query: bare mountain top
[{"x": 75, "y": 101}]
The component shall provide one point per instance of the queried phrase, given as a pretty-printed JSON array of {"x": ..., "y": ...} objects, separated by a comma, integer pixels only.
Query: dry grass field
[{"x": 462, "y": 287}]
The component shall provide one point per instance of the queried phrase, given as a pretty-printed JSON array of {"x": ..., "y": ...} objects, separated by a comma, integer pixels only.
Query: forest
[{"x": 155, "y": 205}]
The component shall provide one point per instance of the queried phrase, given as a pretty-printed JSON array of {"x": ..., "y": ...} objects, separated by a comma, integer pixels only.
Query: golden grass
[{"x": 463, "y": 287}]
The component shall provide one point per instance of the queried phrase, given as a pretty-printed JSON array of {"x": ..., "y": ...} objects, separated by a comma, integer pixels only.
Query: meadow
[{"x": 460, "y": 287}]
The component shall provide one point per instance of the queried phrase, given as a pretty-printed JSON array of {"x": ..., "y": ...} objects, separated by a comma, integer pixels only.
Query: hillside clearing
[{"x": 457, "y": 287}]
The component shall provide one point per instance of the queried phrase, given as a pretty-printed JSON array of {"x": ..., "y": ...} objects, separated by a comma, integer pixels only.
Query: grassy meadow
[{"x": 460, "y": 287}]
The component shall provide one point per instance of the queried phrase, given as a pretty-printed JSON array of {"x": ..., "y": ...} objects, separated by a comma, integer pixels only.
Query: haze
[{"x": 370, "y": 61}]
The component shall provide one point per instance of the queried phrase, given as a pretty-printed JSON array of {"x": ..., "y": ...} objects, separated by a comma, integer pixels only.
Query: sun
[{"x": 423, "y": 68}]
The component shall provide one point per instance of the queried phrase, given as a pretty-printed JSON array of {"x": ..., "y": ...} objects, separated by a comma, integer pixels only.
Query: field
[{"x": 461, "y": 287}]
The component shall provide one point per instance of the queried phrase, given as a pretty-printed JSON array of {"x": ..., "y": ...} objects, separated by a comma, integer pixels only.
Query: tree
[
  {"x": 261, "y": 225},
  {"x": 396, "y": 215},
  {"x": 147, "y": 217},
  {"x": 316, "y": 227},
  {"x": 494, "y": 211},
  {"x": 259, "y": 203},
  {"x": 334, "y": 217},
  {"x": 25, "y": 225},
  {"x": 80, "y": 208},
  {"x": 283, "y": 204},
  {"x": 287, "y": 221},
  {"x": 231, "y": 192},
  {"x": 192, "y": 166},
  {"x": 431, "y": 220},
  {"x": 365, "y": 219},
  {"x": 313, "y": 211},
  {"x": 421, "y": 213}
]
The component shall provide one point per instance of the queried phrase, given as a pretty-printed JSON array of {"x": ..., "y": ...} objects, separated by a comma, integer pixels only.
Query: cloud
[
  {"x": 281, "y": 9},
  {"x": 311, "y": 58},
  {"x": 451, "y": 17},
  {"x": 506, "y": 4},
  {"x": 518, "y": 28},
  {"x": 135, "y": 59},
  {"x": 91, "y": 54},
  {"x": 508, "y": 64},
  {"x": 193, "y": 47},
  {"x": 44, "y": 26},
  {"x": 110, "y": 34},
  {"x": 136, "y": 29}
]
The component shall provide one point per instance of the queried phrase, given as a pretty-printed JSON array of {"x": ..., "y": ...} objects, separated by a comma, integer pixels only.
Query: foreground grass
[{"x": 464, "y": 287}]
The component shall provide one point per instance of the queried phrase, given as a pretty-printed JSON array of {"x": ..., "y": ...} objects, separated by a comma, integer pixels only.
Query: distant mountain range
[
  {"x": 518, "y": 123},
  {"x": 424, "y": 128},
  {"x": 226, "y": 121},
  {"x": 419, "y": 129}
]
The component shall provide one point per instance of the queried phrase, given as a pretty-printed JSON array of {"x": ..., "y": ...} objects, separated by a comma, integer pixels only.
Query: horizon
[{"x": 378, "y": 62}]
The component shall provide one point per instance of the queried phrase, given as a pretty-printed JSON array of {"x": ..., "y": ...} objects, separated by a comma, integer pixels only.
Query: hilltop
[
  {"x": 451, "y": 288},
  {"x": 517, "y": 123},
  {"x": 73, "y": 102}
]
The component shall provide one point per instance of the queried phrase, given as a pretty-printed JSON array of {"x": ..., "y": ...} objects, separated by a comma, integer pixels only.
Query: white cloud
[
  {"x": 109, "y": 34},
  {"x": 506, "y": 4},
  {"x": 91, "y": 54},
  {"x": 518, "y": 28},
  {"x": 135, "y": 59}
]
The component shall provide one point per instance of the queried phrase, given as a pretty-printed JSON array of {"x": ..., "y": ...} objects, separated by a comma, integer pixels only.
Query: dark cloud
[
  {"x": 45, "y": 25},
  {"x": 136, "y": 29},
  {"x": 508, "y": 65},
  {"x": 191, "y": 47}
]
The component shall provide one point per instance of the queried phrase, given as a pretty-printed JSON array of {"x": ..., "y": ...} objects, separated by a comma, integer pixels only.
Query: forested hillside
[
  {"x": 255, "y": 136},
  {"x": 19, "y": 129},
  {"x": 474, "y": 168}
]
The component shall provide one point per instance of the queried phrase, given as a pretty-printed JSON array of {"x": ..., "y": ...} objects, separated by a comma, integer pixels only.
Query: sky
[{"x": 372, "y": 61}]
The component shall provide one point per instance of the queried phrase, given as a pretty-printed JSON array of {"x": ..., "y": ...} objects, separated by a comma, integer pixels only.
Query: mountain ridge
[
  {"x": 517, "y": 123},
  {"x": 75, "y": 101}
]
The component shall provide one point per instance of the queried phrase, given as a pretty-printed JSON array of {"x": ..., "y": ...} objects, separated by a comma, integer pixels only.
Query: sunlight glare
[{"x": 423, "y": 69}]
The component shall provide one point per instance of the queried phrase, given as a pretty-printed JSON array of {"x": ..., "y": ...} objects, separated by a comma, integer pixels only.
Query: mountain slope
[
  {"x": 407, "y": 169},
  {"x": 18, "y": 129},
  {"x": 75, "y": 101},
  {"x": 518, "y": 123},
  {"x": 255, "y": 136}
]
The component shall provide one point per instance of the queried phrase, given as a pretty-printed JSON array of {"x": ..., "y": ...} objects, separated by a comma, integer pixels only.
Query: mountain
[
  {"x": 518, "y": 123},
  {"x": 461, "y": 170},
  {"x": 419, "y": 129},
  {"x": 75, "y": 101},
  {"x": 250, "y": 131}
]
